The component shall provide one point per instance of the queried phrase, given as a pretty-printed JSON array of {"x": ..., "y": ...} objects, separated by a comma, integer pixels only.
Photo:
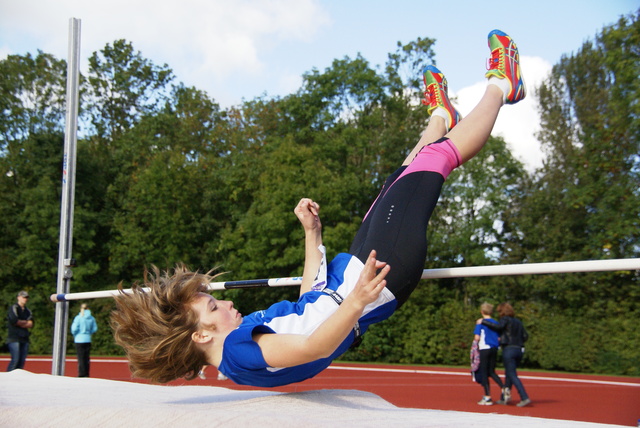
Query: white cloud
[
  {"x": 518, "y": 124},
  {"x": 231, "y": 49},
  {"x": 203, "y": 41}
]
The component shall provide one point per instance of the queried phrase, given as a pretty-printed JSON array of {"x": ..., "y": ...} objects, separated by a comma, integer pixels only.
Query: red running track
[{"x": 601, "y": 399}]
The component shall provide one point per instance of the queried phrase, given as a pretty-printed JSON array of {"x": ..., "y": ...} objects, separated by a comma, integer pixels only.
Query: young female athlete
[{"x": 177, "y": 328}]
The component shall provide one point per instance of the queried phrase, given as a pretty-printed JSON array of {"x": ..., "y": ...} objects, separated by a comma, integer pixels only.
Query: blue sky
[{"x": 240, "y": 49}]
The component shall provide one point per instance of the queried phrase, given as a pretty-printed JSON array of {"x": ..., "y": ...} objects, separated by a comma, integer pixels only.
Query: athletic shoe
[
  {"x": 524, "y": 402},
  {"x": 506, "y": 395},
  {"x": 485, "y": 401},
  {"x": 505, "y": 64},
  {"x": 503, "y": 402},
  {"x": 437, "y": 94}
]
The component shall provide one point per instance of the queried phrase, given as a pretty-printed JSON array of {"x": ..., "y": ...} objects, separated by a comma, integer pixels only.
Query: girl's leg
[
  {"x": 436, "y": 129},
  {"x": 396, "y": 228},
  {"x": 505, "y": 86},
  {"x": 485, "y": 369},
  {"x": 396, "y": 224},
  {"x": 493, "y": 357},
  {"x": 443, "y": 115},
  {"x": 470, "y": 135}
]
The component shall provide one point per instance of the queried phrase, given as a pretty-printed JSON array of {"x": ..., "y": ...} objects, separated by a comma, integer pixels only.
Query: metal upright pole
[{"x": 65, "y": 262}]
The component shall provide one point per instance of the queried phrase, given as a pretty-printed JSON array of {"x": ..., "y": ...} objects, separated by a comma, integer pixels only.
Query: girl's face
[{"x": 219, "y": 315}]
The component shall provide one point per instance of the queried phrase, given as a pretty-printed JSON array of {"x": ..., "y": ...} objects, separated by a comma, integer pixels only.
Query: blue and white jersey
[
  {"x": 242, "y": 359},
  {"x": 488, "y": 338}
]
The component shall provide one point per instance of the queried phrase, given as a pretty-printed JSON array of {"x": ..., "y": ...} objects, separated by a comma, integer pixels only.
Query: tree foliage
[
  {"x": 584, "y": 202},
  {"x": 165, "y": 176}
]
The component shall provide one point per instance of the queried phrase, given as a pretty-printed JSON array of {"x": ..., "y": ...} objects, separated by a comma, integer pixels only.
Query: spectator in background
[
  {"x": 512, "y": 338},
  {"x": 82, "y": 328},
  {"x": 20, "y": 321},
  {"x": 488, "y": 345}
]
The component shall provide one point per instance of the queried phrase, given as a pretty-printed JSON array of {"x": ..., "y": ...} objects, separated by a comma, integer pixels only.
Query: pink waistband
[{"x": 441, "y": 157}]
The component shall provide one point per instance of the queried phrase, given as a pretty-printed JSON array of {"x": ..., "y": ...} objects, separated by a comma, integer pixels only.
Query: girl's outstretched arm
[
  {"x": 307, "y": 212},
  {"x": 286, "y": 350}
]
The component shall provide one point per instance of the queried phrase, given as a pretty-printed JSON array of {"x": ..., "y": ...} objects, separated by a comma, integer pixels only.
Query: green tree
[
  {"x": 584, "y": 204},
  {"x": 123, "y": 86},
  {"x": 31, "y": 123},
  {"x": 32, "y": 95},
  {"x": 166, "y": 176},
  {"x": 434, "y": 326},
  {"x": 172, "y": 206},
  {"x": 334, "y": 140}
]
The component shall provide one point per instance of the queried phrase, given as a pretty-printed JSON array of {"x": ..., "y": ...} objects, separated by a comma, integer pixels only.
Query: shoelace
[
  {"x": 432, "y": 93},
  {"x": 496, "y": 62}
]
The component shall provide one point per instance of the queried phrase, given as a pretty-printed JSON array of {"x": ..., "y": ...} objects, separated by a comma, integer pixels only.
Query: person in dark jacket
[
  {"x": 512, "y": 338},
  {"x": 83, "y": 326},
  {"x": 20, "y": 320}
]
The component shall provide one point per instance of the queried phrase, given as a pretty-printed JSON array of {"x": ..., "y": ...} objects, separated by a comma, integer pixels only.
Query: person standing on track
[
  {"x": 176, "y": 328},
  {"x": 488, "y": 344},
  {"x": 83, "y": 327},
  {"x": 512, "y": 338},
  {"x": 20, "y": 320}
]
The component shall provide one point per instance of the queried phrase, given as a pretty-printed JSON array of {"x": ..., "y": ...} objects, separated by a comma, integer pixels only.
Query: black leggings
[
  {"x": 488, "y": 358},
  {"x": 396, "y": 227}
]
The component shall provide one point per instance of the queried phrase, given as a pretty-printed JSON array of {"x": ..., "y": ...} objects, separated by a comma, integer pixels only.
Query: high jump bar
[{"x": 459, "y": 272}]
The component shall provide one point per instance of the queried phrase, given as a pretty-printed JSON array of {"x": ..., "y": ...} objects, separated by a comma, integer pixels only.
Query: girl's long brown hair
[{"x": 154, "y": 327}]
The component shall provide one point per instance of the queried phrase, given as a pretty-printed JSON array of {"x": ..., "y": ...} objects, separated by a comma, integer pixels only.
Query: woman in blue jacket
[{"x": 83, "y": 327}]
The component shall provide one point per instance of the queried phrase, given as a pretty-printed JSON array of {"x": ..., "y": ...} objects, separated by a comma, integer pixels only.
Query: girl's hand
[
  {"x": 287, "y": 350},
  {"x": 371, "y": 282},
  {"x": 307, "y": 212}
]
